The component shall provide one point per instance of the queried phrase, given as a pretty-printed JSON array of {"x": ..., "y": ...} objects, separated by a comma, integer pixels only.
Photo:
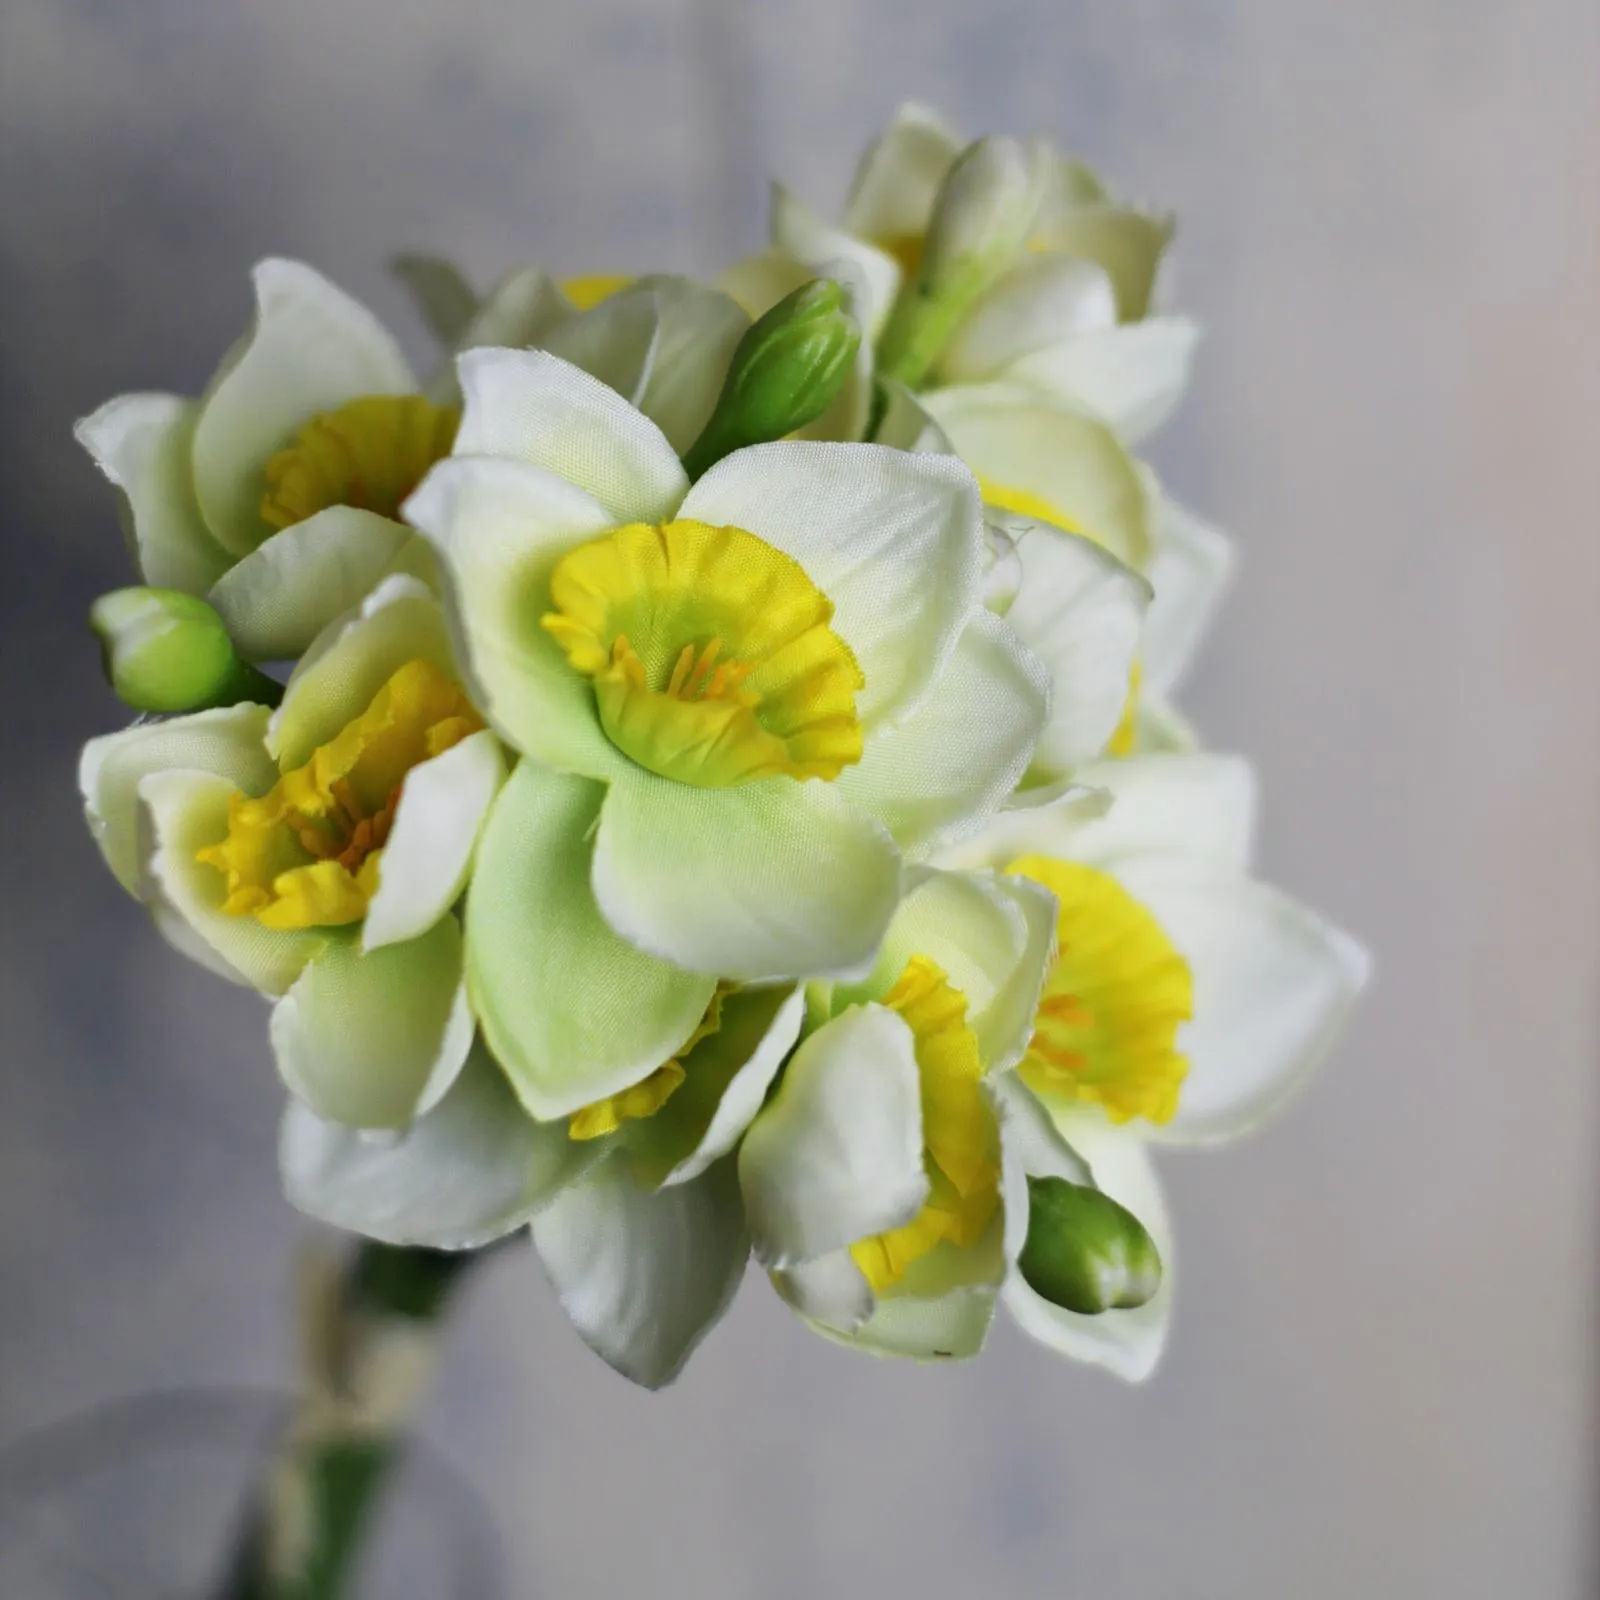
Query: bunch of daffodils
[{"x": 696, "y": 778}]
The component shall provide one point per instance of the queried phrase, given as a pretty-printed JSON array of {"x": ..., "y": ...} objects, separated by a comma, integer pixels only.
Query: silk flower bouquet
[{"x": 697, "y": 777}]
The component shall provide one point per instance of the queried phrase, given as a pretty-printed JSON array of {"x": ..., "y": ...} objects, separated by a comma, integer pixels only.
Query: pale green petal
[
  {"x": 1128, "y": 1343},
  {"x": 836, "y": 1156},
  {"x": 993, "y": 937},
  {"x": 694, "y": 330},
  {"x": 768, "y": 879},
  {"x": 573, "y": 1012},
  {"x": 373, "y": 1039},
  {"x": 899, "y": 177},
  {"x": 1273, "y": 987},
  {"x": 521, "y": 310},
  {"x": 428, "y": 854},
  {"x": 956, "y": 758},
  {"x": 1160, "y": 728},
  {"x": 643, "y": 1274},
  {"x": 906, "y": 424},
  {"x": 799, "y": 232},
  {"x": 1192, "y": 569},
  {"x": 1131, "y": 376},
  {"x": 1042, "y": 300},
  {"x": 1129, "y": 244},
  {"x": 728, "y": 1075},
  {"x": 226, "y": 742},
  {"x": 499, "y": 528},
  {"x": 474, "y": 1168},
  {"x": 182, "y": 813},
  {"x": 611, "y": 341},
  {"x": 894, "y": 540},
  {"x": 941, "y": 1310},
  {"x": 530, "y": 406},
  {"x": 311, "y": 349},
  {"x": 440, "y": 293},
  {"x": 144, "y": 444},
  {"x": 759, "y": 282},
  {"x": 1076, "y": 465},
  {"x": 288, "y": 589},
  {"x": 1081, "y": 612},
  {"x": 351, "y": 660}
]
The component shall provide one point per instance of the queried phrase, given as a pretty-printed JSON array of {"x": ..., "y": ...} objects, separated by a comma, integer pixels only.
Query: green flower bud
[
  {"x": 985, "y": 210},
  {"x": 1084, "y": 1252},
  {"x": 785, "y": 373},
  {"x": 169, "y": 651}
]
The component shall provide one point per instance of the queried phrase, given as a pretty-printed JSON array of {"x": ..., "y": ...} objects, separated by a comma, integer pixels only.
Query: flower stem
[{"x": 371, "y": 1327}]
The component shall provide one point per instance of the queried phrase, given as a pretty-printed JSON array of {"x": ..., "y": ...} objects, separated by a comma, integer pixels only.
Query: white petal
[
  {"x": 471, "y": 1170},
  {"x": 499, "y": 528},
  {"x": 894, "y": 540},
  {"x": 1081, "y": 612},
  {"x": 830, "y": 1292},
  {"x": 898, "y": 181},
  {"x": 226, "y": 742},
  {"x": 351, "y": 660},
  {"x": 836, "y": 1156},
  {"x": 373, "y": 1039},
  {"x": 1191, "y": 571},
  {"x": 1128, "y": 243},
  {"x": 799, "y": 232},
  {"x": 644, "y": 1274},
  {"x": 1128, "y": 1343},
  {"x": 759, "y": 1028},
  {"x": 286, "y": 591},
  {"x": 520, "y": 310},
  {"x": 759, "y": 282},
  {"x": 991, "y": 936},
  {"x": 533, "y": 407},
  {"x": 182, "y": 813},
  {"x": 1043, "y": 300},
  {"x": 572, "y": 1011},
  {"x": 768, "y": 879},
  {"x": 1130, "y": 376},
  {"x": 144, "y": 444},
  {"x": 1273, "y": 985},
  {"x": 428, "y": 854},
  {"x": 311, "y": 349},
  {"x": 1072, "y": 462},
  {"x": 955, "y": 759}
]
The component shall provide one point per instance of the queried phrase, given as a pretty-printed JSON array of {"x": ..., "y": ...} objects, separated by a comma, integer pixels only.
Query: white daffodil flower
[
  {"x": 1054, "y": 479},
  {"x": 1072, "y": 312},
  {"x": 1187, "y": 1000},
  {"x": 316, "y": 853},
  {"x": 872, "y": 1180},
  {"x": 778, "y": 684},
  {"x": 276, "y": 495}
]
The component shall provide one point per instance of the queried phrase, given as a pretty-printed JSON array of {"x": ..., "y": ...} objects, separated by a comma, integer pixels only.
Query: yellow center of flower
[
  {"x": 906, "y": 248},
  {"x": 960, "y": 1148},
  {"x": 370, "y": 453},
  {"x": 647, "y": 1097},
  {"x": 588, "y": 291},
  {"x": 1107, "y": 1026},
  {"x": 711, "y": 655},
  {"x": 307, "y": 853}
]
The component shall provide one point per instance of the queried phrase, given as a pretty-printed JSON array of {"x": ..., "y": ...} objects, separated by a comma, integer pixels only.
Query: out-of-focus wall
[{"x": 1382, "y": 1381}]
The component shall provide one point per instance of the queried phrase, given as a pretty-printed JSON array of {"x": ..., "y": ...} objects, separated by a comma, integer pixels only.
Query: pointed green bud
[
  {"x": 785, "y": 373},
  {"x": 1084, "y": 1252},
  {"x": 985, "y": 210},
  {"x": 169, "y": 651}
]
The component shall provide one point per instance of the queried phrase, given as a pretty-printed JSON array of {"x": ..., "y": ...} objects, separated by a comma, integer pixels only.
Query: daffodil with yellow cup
[
  {"x": 1186, "y": 1001},
  {"x": 316, "y": 853}
]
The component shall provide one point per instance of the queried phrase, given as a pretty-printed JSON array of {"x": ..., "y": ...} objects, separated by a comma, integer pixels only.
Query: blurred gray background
[{"x": 1382, "y": 1381}]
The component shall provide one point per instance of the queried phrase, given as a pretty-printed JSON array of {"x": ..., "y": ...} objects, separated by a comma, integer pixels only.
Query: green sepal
[
  {"x": 167, "y": 651},
  {"x": 785, "y": 373},
  {"x": 1085, "y": 1252}
]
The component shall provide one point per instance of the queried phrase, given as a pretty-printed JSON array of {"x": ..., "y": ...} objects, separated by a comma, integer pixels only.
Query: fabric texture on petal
[
  {"x": 573, "y": 1012},
  {"x": 642, "y": 1274}
]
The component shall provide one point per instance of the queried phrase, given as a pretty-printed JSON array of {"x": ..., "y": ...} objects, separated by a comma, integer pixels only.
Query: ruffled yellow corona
[
  {"x": 711, "y": 655},
  {"x": 308, "y": 853},
  {"x": 1107, "y": 1025}
]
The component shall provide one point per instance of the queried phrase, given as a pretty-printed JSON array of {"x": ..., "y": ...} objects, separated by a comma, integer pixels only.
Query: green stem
[{"x": 371, "y": 1332}]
